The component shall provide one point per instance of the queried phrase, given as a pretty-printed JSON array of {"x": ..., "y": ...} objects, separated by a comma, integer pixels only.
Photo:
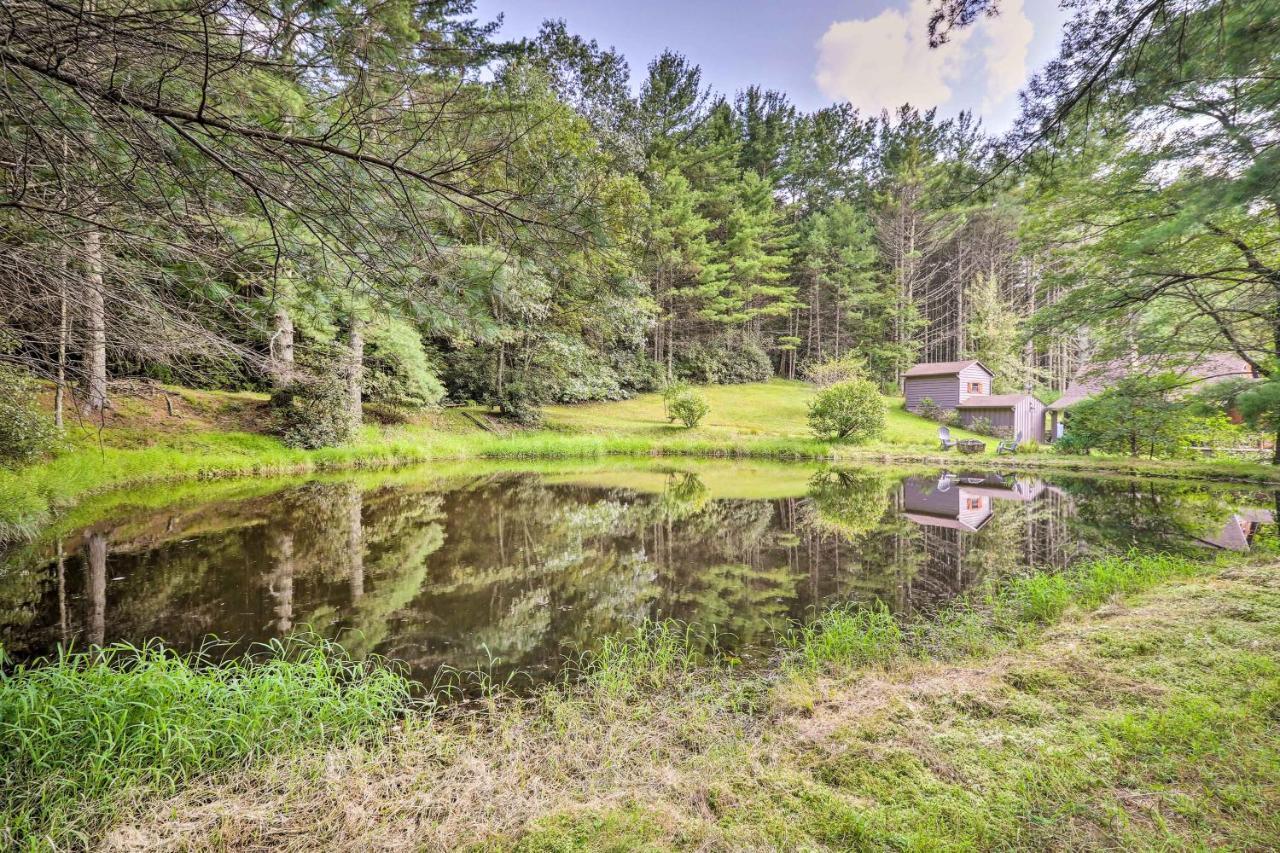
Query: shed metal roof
[
  {"x": 943, "y": 368},
  {"x": 931, "y": 520}
]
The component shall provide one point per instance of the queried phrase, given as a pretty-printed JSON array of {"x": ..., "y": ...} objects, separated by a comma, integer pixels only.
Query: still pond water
[{"x": 515, "y": 570}]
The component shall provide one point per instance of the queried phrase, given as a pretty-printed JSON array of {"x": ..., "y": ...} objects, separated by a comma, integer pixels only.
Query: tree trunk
[
  {"x": 60, "y": 392},
  {"x": 62, "y": 594},
  {"x": 95, "y": 326},
  {"x": 281, "y": 364},
  {"x": 355, "y": 370},
  {"x": 498, "y": 386}
]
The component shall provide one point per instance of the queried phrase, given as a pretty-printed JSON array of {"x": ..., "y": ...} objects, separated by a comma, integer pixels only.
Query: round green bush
[
  {"x": 853, "y": 410},
  {"x": 689, "y": 408}
]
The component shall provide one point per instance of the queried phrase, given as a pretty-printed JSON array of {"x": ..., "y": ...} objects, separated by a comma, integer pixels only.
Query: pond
[{"x": 513, "y": 571}]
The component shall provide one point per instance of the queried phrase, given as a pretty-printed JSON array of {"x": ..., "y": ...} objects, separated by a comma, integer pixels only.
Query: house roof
[
  {"x": 943, "y": 368},
  {"x": 1092, "y": 379},
  {"x": 994, "y": 401},
  {"x": 930, "y": 520}
]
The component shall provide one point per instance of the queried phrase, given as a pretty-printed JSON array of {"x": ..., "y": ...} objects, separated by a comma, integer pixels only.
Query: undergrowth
[{"x": 83, "y": 731}]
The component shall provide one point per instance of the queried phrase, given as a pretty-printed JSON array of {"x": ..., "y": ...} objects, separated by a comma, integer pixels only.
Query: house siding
[
  {"x": 972, "y": 373},
  {"x": 916, "y": 497},
  {"x": 974, "y": 509},
  {"x": 954, "y": 507},
  {"x": 1026, "y": 417},
  {"x": 943, "y": 390},
  {"x": 946, "y": 390}
]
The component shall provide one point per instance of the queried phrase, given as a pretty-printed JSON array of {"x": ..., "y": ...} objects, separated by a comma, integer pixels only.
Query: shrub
[
  {"x": 934, "y": 412},
  {"x": 833, "y": 371},
  {"x": 852, "y": 410},
  {"x": 724, "y": 361},
  {"x": 313, "y": 411},
  {"x": 635, "y": 371},
  {"x": 689, "y": 408},
  {"x": 670, "y": 392},
  {"x": 517, "y": 404},
  {"x": 553, "y": 369},
  {"x": 983, "y": 426},
  {"x": 1142, "y": 415},
  {"x": 397, "y": 372},
  {"x": 26, "y": 433}
]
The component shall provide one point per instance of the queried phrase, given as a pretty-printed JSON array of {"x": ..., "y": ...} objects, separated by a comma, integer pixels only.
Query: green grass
[
  {"x": 85, "y": 732},
  {"x": 777, "y": 409},
  {"x": 1148, "y": 724},
  {"x": 848, "y": 637},
  {"x": 763, "y": 421}
]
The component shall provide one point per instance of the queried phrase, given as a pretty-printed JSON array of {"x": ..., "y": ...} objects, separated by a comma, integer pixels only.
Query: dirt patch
[{"x": 146, "y": 408}]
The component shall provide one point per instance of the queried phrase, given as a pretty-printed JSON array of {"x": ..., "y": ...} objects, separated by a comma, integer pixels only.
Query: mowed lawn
[{"x": 774, "y": 409}]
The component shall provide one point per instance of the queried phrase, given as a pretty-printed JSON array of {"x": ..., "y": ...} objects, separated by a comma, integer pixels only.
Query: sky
[{"x": 873, "y": 53}]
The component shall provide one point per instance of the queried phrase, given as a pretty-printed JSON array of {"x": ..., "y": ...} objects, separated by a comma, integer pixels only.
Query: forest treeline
[{"x": 386, "y": 203}]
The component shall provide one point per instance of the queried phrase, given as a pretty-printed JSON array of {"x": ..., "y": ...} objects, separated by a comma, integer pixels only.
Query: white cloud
[
  {"x": 1008, "y": 36},
  {"x": 885, "y": 61}
]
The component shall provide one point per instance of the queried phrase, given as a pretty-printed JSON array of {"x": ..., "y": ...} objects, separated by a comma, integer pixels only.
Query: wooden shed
[
  {"x": 946, "y": 383},
  {"x": 1010, "y": 413}
]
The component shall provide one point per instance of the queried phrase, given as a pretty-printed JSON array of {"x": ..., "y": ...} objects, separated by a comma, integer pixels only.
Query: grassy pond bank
[{"x": 571, "y": 639}]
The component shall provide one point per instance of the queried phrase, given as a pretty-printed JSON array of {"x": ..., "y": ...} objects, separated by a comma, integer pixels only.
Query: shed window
[
  {"x": 975, "y": 387},
  {"x": 972, "y": 503}
]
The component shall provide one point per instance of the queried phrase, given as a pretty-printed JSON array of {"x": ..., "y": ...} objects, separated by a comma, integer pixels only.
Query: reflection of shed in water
[
  {"x": 962, "y": 501},
  {"x": 1237, "y": 533},
  {"x": 945, "y": 504}
]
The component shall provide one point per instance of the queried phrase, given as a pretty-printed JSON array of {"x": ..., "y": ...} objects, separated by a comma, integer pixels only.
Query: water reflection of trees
[{"x": 515, "y": 568}]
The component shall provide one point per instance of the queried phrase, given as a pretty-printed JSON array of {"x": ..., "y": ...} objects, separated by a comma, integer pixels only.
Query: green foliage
[
  {"x": 1141, "y": 416},
  {"x": 670, "y": 392},
  {"x": 86, "y": 730},
  {"x": 635, "y": 372},
  {"x": 689, "y": 407},
  {"x": 546, "y": 368},
  {"x": 313, "y": 410},
  {"x": 852, "y": 410},
  {"x": 833, "y": 371},
  {"x": 1045, "y": 598},
  {"x": 931, "y": 410},
  {"x": 849, "y": 637},
  {"x": 397, "y": 372},
  {"x": 26, "y": 433},
  {"x": 994, "y": 335},
  {"x": 728, "y": 360},
  {"x": 518, "y": 404},
  {"x": 649, "y": 657},
  {"x": 981, "y": 424},
  {"x": 1259, "y": 404}
]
